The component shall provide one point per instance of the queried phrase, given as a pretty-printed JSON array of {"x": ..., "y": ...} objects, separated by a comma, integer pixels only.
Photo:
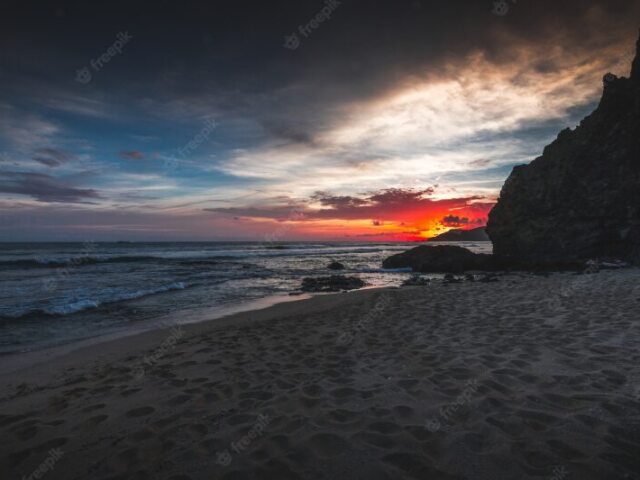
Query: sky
[{"x": 346, "y": 120}]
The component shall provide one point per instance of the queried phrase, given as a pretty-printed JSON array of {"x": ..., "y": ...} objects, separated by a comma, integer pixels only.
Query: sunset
[
  {"x": 320, "y": 239},
  {"x": 226, "y": 138}
]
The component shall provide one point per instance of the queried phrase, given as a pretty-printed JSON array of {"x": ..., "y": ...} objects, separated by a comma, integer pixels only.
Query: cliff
[{"x": 581, "y": 198}]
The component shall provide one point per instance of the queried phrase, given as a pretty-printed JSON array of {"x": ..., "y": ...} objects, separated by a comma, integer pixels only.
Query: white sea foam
[{"x": 84, "y": 304}]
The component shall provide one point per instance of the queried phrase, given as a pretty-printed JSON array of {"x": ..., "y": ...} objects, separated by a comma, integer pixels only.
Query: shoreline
[
  {"x": 520, "y": 378},
  {"x": 164, "y": 323},
  {"x": 122, "y": 343}
]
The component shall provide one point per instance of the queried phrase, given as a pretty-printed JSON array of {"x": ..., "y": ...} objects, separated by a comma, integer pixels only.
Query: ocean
[{"x": 57, "y": 293}]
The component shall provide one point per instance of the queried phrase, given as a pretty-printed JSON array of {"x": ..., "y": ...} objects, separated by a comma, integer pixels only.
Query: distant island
[{"x": 459, "y": 235}]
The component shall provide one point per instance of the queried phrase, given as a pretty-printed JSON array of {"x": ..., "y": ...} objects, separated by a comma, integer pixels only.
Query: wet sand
[{"x": 528, "y": 377}]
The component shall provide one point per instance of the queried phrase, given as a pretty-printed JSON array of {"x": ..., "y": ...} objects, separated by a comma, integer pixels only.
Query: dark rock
[
  {"x": 334, "y": 283},
  {"x": 335, "y": 266},
  {"x": 451, "y": 278},
  {"x": 608, "y": 79},
  {"x": 416, "y": 281},
  {"x": 581, "y": 199},
  {"x": 593, "y": 266},
  {"x": 488, "y": 278},
  {"x": 457, "y": 235},
  {"x": 448, "y": 258},
  {"x": 439, "y": 259}
]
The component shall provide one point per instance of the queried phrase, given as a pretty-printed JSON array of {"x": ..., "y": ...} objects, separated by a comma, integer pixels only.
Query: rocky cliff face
[{"x": 581, "y": 198}]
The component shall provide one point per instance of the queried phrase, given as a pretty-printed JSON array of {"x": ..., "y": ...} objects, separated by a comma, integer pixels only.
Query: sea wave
[
  {"x": 73, "y": 262},
  {"x": 311, "y": 251},
  {"x": 83, "y": 261},
  {"x": 88, "y": 304},
  {"x": 197, "y": 260},
  {"x": 72, "y": 307}
]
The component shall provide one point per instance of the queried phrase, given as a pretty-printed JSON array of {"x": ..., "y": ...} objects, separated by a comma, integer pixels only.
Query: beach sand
[{"x": 528, "y": 377}]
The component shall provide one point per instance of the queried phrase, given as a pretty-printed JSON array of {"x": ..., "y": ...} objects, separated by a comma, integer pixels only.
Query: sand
[{"x": 529, "y": 377}]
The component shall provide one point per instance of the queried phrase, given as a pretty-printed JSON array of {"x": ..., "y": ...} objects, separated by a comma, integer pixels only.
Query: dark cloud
[
  {"x": 399, "y": 195},
  {"x": 338, "y": 202},
  {"x": 387, "y": 197},
  {"x": 131, "y": 155},
  {"x": 43, "y": 188},
  {"x": 52, "y": 157},
  {"x": 376, "y": 235},
  {"x": 384, "y": 205},
  {"x": 455, "y": 221},
  {"x": 482, "y": 162},
  {"x": 274, "y": 212},
  {"x": 191, "y": 59},
  {"x": 229, "y": 58},
  {"x": 289, "y": 133}
]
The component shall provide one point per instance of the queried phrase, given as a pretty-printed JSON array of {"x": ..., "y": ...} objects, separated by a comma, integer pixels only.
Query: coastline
[
  {"x": 112, "y": 347},
  {"x": 55, "y": 295},
  {"x": 512, "y": 379}
]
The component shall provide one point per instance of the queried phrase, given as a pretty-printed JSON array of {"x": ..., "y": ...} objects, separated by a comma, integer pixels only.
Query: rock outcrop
[
  {"x": 416, "y": 281},
  {"x": 581, "y": 198},
  {"x": 335, "y": 266},
  {"x": 440, "y": 259},
  {"x": 334, "y": 283}
]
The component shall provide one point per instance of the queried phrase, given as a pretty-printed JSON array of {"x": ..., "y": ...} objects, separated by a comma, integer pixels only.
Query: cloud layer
[{"x": 394, "y": 120}]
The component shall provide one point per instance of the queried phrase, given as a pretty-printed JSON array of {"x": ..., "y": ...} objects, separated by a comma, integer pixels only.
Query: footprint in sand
[
  {"x": 49, "y": 444},
  {"x": 328, "y": 445},
  {"x": 343, "y": 416},
  {"x": 96, "y": 420},
  {"x": 9, "y": 419},
  {"x": 241, "y": 419},
  {"x": 130, "y": 391},
  {"x": 403, "y": 411},
  {"x": 385, "y": 428},
  {"x": 91, "y": 408},
  {"x": 414, "y": 464},
  {"x": 142, "y": 435},
  {"x": 384, "y": 442},
  {"x": 140, "y": 412},
  {"x": 179, "y": 400},
  {"x": 26, "y": 433}
]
